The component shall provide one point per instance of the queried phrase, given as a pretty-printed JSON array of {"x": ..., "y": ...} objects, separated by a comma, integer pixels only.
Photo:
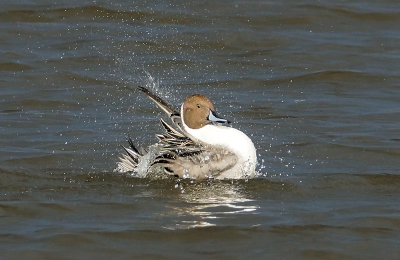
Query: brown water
[{"x": 314, "y": 83}]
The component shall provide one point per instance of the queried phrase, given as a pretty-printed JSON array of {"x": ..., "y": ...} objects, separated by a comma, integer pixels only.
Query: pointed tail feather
[
  {"x": 167, "y": 108},
  {"x": 130, "y": 160}
]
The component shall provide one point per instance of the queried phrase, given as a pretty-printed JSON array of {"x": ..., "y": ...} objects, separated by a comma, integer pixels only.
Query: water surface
[{"x": 315, "y": 84}]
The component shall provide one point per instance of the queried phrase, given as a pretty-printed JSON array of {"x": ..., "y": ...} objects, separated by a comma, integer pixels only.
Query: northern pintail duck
[{"x": 199, "y": 148}]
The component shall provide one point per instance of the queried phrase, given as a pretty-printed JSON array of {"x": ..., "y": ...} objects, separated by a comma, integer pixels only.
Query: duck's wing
[
  {"x": 199, "y": 165},
  {"x": 173, "y": 140}
]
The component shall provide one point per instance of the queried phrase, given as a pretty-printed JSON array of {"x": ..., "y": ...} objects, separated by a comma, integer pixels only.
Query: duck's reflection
[{"x": 211, "y": 204}]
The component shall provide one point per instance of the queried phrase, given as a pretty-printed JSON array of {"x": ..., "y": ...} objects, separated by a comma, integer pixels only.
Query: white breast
[{"x": 232, "y": 140}]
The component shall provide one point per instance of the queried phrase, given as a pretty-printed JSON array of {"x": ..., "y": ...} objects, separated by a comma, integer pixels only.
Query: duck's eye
[{"x": 198, "y": 106}]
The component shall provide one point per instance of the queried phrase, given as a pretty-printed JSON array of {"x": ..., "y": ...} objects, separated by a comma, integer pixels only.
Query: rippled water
[{"x": 314, "y": 83}]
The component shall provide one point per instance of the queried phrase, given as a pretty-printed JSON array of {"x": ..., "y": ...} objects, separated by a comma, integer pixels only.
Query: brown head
[{"x": 198, "y": 111}]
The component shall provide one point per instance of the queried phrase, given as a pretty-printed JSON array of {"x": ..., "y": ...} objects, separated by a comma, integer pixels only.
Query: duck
[{"x": 200, "y": 146}]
